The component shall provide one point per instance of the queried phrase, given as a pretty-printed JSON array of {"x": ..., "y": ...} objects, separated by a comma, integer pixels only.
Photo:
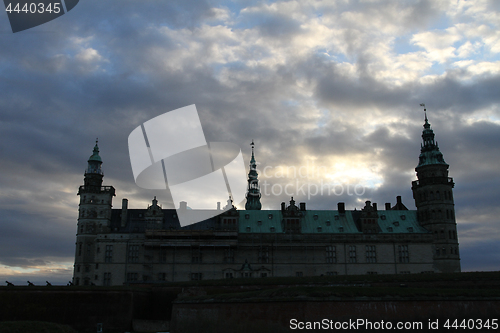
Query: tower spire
[
  {"x": 253, "y": 191},
  {"x": 429, "y": 151}
]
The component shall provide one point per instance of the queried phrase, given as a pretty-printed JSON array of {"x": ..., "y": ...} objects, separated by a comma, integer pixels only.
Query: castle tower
[
  {"x": 94, "y": 217},
  {"x": 433, "y": 194},
  {"x": 253, "y": 193}
]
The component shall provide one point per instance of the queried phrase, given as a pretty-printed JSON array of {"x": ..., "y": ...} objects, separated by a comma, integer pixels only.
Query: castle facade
[{"x": 123, "y": 246}]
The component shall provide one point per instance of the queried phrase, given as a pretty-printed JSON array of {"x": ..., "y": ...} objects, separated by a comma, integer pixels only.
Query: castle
[{"x": 123, "y": 246}]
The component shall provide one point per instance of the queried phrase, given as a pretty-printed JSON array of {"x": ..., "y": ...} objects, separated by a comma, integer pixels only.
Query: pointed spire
[
  {"x": 94, "y": 161},
  {"x": 253, "y": 190},
  {"x": 429, "y": 150}
]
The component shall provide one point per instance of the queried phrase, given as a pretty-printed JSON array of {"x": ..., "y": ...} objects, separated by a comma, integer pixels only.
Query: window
[
  {"x": 299, "y": 274},
  {"x": 336, "y": 217},
  {"x": 371, "y": 273},
  {"x": 404, "y": 272},
  {"x": 341, "y": 229},
  {"x": 263, "y": 256},
  {"x": 108, "y": 255},
  {"x": 403, "y": 254},
  {"x": 371, "y": 254},
  {"x": 196, "y": 255},
  {"x": 87, "y": 268},
  {"x": 328, "y": 223},
  {"x": 331, "y": 256},
  {"x": 320, "y": 229},
  {"x": 133, "y": 253},
  {"x": 229, "y": 256},
  {"x": 163, "y": 255},
  {"x": 132, "y": 277},
  {"x": 331, "y": 273},
  {"x": 263, "y": 275},
  {"x": 96, "y": 266},
  {"x": 389, "y": 229},
  {"x": 78, "y": 268},
  {"x": 273, "y": 229},
  {"x": 382, "y": 217},
  {"x": 246, "y": 274},
  {"x": 195, "y": 276},
  {"x": 229, "y": 275},
  {"x": 77, "y": 281},
  {"x": 247, "y": 216},
  {"x": 88, "y": 249},
  {"x": 259, "y": 223},
  {"x": 162, "y": 276},
  {"x": 270, "y": 216},
  {"x": 249, "y": 229},
  {"x": 352, "y": 253},
  {"x": 80, "y": 249},
  {"x": 106, "y": 279}
]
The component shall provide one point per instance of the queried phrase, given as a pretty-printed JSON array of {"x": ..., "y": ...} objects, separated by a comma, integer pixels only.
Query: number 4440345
[
  {"x": 476, "y": 324},
  {"x": 34, "y": 8}
]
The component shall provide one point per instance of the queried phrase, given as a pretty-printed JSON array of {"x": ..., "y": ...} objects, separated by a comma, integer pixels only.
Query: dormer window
[
  {"x": 273, "y": 229},
  {"x": 315, "y": 216},
  {"x": 249, "y": 229},
  {"x": 396, "y": 223},
  {"x": 320, "y": 229},
  {"x": 259, "y": 222},
  {"x": 270, "y": 216},
  {"x": 382, "y": 217},
  {"x": 389, "y": 229},
  {"x": 336, "y": 217},
  {"x": 410, "y": 229},
  {"x": 247, "y": 216},
  {"x": 403, "y": 217},
  {"x": 328, "y": 223},
  {"x": 341, "y": 229}
]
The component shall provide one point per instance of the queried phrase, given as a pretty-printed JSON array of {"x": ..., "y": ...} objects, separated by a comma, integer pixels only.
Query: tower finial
[
  {"x": 253, "y": 191},
  {"x": 425, "y": 112}
]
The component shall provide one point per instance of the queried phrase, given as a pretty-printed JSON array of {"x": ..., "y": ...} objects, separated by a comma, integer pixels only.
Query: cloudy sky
[{"x": 333, "y": 87}]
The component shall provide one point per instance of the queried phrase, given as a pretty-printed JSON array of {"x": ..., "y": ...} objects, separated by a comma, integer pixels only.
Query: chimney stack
[
  {"x": 374, "y": 206},
  {"x": 387, "y": 206},
  {"x": 218, "y": 205},
  {"x": 282, "y": 206},
  {"x": 303, "y": 206},
  {"x": 398, "y": 199},
  {"x": 183, "y": 205},
  {"x": 341, "y": 207},
  {"x": 124, "y": 212}
]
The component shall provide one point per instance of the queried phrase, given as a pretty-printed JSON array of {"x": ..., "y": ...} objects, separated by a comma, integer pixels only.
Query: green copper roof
[
  {"x": 270, "y": 221},
  {"x": 95, "y": 156},
  {"x": 328, "y": 222},
  {"x": 429, "y": 151},
  {"x": 399, "y": 222}
]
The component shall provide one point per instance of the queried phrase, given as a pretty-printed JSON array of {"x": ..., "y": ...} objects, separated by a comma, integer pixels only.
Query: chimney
[
  {"x": 183, "y": 205},
  {"x": 341, "y": 207},
  {"x": 387, "y": 206},
  {"x": 218, "y": 205},
  {"x": 124, "y": 212},
  {"x": 303, "y": 206},
  {"x": 374, "y": 206},
  {"x": 398, "y": 199},
  {"x": 282, "y": 206}
]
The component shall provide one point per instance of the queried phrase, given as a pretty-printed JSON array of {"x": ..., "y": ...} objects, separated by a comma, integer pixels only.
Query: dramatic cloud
[{"x": 333, "y": 87}]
